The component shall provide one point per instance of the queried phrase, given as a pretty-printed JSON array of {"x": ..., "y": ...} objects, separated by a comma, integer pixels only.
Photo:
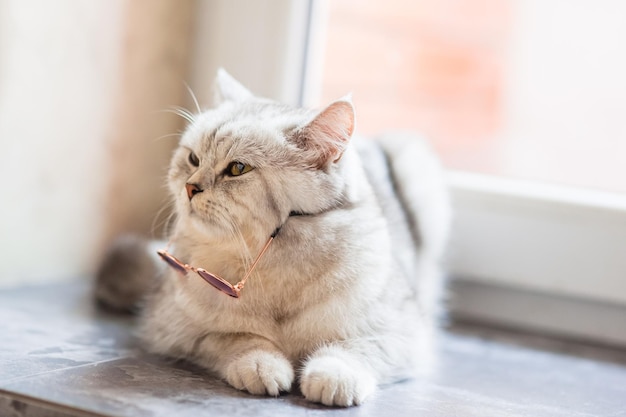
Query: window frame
[{"x": 539, "y": 256}]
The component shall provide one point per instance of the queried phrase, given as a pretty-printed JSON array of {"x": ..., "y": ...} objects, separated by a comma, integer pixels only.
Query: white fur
[
  {"x": 260, "y": 372},
  {"x": 333, "y": 377},
  {"x": 331, "y": 297}
]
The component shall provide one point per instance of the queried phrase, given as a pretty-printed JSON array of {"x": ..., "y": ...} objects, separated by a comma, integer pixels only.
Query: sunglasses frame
[{"x": 215, "y": 280}]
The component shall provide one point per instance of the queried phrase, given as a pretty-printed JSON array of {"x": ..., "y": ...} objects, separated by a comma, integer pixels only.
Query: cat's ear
[
  {"x": 226, "y": 88},
  {"x": 326, "y": 137}
]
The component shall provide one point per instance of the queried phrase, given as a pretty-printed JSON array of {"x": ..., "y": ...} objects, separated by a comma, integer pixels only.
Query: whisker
[
  {"x": 236, "y": 234},
  {"x": 170, "y": 135},
  {"x": 220, "y": 214},
  {"x": 180, "y": 111},
  {"x": 247, "y": 258},
  {"x": 186, "y": 114},
  {"x": 247, "y": 255},
  {"x": 193, "y": 97},
  {"x": 166, "y": 222},
  {"x": 169, "y": 225}
]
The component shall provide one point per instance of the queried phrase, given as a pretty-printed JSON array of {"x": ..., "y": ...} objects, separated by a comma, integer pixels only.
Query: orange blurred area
[
  {"x": 520, "y": 88},
  {"x": 434, "y": 67}
]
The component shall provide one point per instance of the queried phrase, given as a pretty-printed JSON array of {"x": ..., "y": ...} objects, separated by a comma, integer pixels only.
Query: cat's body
[{"x": 345, "y": 297}]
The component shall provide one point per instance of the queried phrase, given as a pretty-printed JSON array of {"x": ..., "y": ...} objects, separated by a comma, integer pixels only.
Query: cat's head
[{"x": 243, "y": 166}]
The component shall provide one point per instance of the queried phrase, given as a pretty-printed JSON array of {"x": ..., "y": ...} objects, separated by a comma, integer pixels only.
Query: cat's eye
[
  {"x": 235, "y": 168},
  {"x": 193, "y": 159}
]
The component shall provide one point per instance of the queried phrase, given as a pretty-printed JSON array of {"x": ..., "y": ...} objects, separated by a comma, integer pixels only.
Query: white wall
[
  {"x": 58, "y": 63},
  {"x": 80, "y": 84}
]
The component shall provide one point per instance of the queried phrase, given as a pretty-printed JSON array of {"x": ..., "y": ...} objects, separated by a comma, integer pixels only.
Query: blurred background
[
  {"x": 522, "y": 88},
  {"x": 524, "y": 100}
]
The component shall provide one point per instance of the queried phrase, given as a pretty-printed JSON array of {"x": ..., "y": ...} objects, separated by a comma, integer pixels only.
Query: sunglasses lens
[
  {"x": 172, "y": 262},
  {"x": 218, "y": 283}
]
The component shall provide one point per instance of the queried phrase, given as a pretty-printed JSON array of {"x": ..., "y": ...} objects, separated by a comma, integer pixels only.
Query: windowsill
[
  {"x": 569, "y": 318},
  {"x": 544, "y": 248},
  {"x": 60, "y": 355}
]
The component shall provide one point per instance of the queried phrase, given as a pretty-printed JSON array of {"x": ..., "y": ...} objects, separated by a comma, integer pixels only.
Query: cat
[{"x": 348, "y": 291}]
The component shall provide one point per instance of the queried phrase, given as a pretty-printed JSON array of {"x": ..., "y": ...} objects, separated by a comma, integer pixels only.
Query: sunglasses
[{"x": 213, "y": 279}]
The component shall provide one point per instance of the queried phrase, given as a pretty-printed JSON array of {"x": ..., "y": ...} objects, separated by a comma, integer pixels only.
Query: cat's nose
[{"x": 192, "y": 189}]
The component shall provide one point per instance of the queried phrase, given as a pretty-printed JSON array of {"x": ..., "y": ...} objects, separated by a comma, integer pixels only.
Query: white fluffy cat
[{"x": 347, "y": 293}]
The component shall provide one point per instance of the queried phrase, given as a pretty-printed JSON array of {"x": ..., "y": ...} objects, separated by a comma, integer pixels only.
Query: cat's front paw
[
  {"x": 260, "y": 372},
  {"x": 331, "y": 381}
]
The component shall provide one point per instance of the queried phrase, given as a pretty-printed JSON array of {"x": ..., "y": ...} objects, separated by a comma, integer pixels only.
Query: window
[
  {"x": 502, "y": 87},
  {"x": 525, "y": 108}
]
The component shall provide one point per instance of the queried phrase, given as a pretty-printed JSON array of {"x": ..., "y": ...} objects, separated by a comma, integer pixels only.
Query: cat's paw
[
  {"x": 260, "y": 372},
  {"x": 331, "y": 381}
]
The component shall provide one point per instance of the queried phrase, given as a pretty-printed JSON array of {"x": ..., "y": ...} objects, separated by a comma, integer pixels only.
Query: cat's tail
[
  {"x": 128, "y": 272},
  {"x": 419, "y": 183}
]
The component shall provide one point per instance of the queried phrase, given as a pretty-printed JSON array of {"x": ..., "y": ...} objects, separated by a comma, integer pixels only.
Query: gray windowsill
[{"x": 60, "y": 356}]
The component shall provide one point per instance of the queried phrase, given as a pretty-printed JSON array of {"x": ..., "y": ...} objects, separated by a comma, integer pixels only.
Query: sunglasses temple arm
[{"x": 241, "y": 283}]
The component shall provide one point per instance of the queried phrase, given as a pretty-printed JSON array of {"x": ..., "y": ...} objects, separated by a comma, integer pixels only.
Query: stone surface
[{"x": 61, "y": 356}]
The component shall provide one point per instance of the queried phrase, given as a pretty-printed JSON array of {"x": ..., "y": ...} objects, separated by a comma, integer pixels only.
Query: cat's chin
[{"x": 208, "y": 228}]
